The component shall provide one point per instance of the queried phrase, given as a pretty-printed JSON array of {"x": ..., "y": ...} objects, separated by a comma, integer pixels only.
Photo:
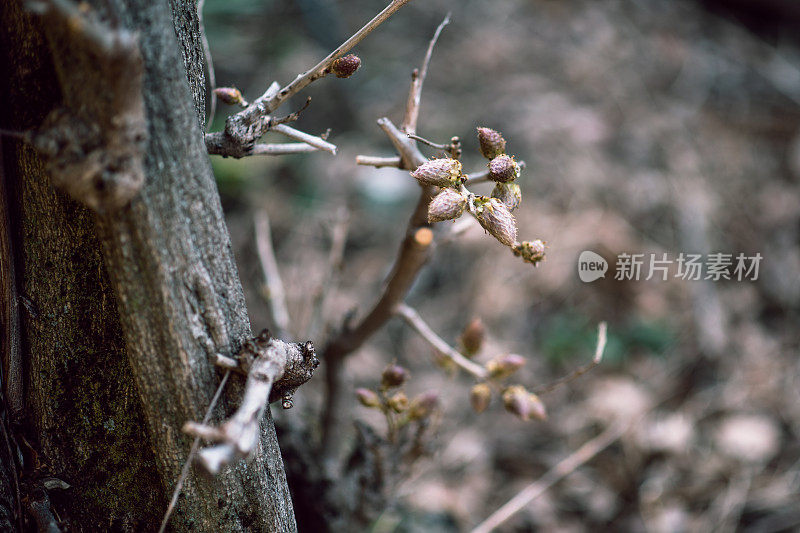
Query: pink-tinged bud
[
  {"x": 503, "y": 168},
  {"x": 393, "y": 376},
  {"x": 503, "y": 366},
  {"x": 492, "y": 143},
  {"x": 444, "y": 172},
  {"x": 346, "y": 66},
  {"x": 446, "y": 205},
  {"x": 423, "y": 405},
  {"x": 508, "y": 193},
  {"x": 523, "y": 404},
  {"x": 229, "y": 95},
  {"x": 368, "y": 398},
  {"x": 530, "y": 251},
  {"x": 398, "y": 402},
  {"x": 480, "y": 396},
  {"x": 495, "y": 218},
  {"x": 473, "y": 336}
]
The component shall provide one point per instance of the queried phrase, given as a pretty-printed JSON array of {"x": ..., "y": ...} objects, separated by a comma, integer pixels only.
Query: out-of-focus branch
[
  {"x": 378, "y": 162},
  {"x": 578, "y": 372},
  {"x": 571, "y": 463},
  {"x": 275, "y": 293},
  {"x": 413, "y": 319},
  {"x": 417, "y": 79}
]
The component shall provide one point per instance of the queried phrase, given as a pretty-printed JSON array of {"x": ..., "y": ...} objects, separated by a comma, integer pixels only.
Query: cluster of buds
[
  {"x": 392, "y": 401},
  {"x": 494, "y": 212}
]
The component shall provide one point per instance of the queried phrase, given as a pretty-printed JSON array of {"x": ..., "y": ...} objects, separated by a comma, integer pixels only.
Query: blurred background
[{"x": 647, "y": 126}]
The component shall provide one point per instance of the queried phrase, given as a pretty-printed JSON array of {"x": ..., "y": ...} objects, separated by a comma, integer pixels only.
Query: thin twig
[
  {"x": 437, "y": 146},
  {"x": 578, "y": 372},
  {"x": 282, "y": 149},
  {"x": 378, "y": 162},
  {"x": 212, "y": 79},
  {"x": 554, "y": 475},
  {"x": 413, "y": 319},
  {"x": 192, "y": 452},
  {"x": 321, "y": 68},
  {"x": 276, "y": 295},
  {"x": 409, "y": 124},
  {"x": 332, "y": 266},
  {"x": 298, "y": 135}
]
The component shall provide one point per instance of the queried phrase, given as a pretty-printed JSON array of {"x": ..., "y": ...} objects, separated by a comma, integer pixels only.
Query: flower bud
[
  {"x": 480, "y": 396},
  {"x": 508, "y": 193},
  {"x": 229, "y": 95},
  {"x": 492, "y": 143},
  {"x": 530, "y": 251},
  {"x": 439, "y": 172},
  {"x": 393, "y": 376},
  {"x": 446, "y": 205},
  {"x": 346, "y": 66},
  {"x": 368, "y": 398},
  {"x": 495, "y": 218},
  {"x": 503, "y": 366},
  {"x": 503, "y": 168},
  {"x": 398, "y": 402},
  {"x": 525, "y": 405},
  {"x": 423, "y": 405},
  {"x": 472, "y": 337}
]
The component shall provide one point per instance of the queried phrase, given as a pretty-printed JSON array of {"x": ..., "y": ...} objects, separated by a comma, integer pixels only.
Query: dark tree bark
[{"x": 125, "y": 308}]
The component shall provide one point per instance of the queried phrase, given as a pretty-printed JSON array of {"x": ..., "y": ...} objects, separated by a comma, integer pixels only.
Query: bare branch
[
  {"x": 322, "y": 68},
  {"x": 378, "y": 162},
  {"x": 192, "y": 452},
  {"x": 298, "y": 135},
  {"x": 410, "y": 155},
  {"x": 413, "y": 319},
  {"x": 553, "y": 476},
  {"x": 276, "y": 295},
  {"x": 274, "y": 369},
  {"x": 417, "y": 79},
  {"x": 578, "y": 372},
  {"x": 282, "y": 149}
]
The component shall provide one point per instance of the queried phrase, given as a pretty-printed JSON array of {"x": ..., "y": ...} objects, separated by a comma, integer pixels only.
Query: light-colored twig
[
  {"x": 276, "y": 295},
  {"x": 413, "y": 319},
  {"x": 598, "y": 356},
  {"x": 282, "y": 149},
  {"x": 554, "y": 475},
  {"x": 409, "y": 124},
  {"x": 192, "y": 452},
  {"x": 378, "y": 162},
  {"x": 320, "y": 69},
  {"x": 298, "y": 135}
]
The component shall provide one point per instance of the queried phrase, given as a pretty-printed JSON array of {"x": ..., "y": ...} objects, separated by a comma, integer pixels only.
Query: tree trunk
[{"x": 124, "y": 309}]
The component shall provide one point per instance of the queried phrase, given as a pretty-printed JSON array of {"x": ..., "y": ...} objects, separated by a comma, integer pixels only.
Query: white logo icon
[{"x": 591, "y": 266}]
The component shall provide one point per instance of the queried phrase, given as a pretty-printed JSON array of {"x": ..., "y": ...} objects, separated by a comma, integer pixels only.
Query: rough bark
[{"x": 128, "y": 306}]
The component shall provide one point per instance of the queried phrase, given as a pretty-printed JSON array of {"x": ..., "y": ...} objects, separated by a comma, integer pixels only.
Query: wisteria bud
[
  {"x": 393, "y": 376},
  {"x": 346, "y": 66},
  {"x": 229, "y": 95},
  {"x": 503, "y": 168},
  {"x": 492, "y": 143},
  {"x": 530, "y": 251},
  {"x": 503, "y": 366},
  {"x": 495, "y": 218},
  {"x": 480, "y": 396},
  {"x": 446, "y": 205},
  {"x": 444, "y": 172},
  {"x": 368, "y": 398},
  {"x": 423, "y": 405},
  {"x": 508, "y": 193},
  {"x": 398, "y": 402},
  {"x": 526, "y": 405},
  {"x": 472, "y": 337}
]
